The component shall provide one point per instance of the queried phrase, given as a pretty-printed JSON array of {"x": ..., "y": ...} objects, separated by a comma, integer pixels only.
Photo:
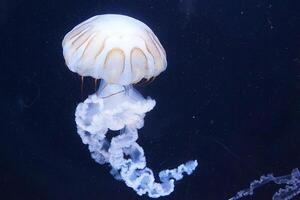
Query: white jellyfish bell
[{"x": 120, "y": 51}]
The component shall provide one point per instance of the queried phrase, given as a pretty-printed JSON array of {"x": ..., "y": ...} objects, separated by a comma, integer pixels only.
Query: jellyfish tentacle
[{"x": 124, "y": 112}]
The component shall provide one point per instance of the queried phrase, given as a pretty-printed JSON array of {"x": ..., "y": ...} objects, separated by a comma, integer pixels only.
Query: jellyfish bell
[
  {"x": 121, "y": 51},
  {"x": 115, "y": 48}
]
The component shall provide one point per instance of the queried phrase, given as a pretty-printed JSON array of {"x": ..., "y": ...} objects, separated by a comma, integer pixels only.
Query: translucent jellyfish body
[{"x": 121, "y": 51}]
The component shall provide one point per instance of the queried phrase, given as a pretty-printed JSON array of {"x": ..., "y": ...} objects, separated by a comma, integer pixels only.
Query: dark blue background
[{"x": 229, "y": 97}]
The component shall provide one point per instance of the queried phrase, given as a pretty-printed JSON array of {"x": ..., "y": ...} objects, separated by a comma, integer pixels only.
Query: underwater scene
[{"x": 150, "y": 99}]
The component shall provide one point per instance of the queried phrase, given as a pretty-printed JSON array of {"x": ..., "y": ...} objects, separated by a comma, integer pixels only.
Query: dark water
[{"x": 229, "y": 97}]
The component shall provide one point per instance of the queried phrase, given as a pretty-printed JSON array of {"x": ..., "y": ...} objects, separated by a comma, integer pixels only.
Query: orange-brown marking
[
  {"x": 157, "y": 41},
  {"x": 101, "y": 48},
  {"x": 137, "y": 52},
  {"x": 89, "y": 42},
  {"x": 78, "y": 35},
  {"x": 110, "y": 53},
  {"x": 153, "y": 42}
]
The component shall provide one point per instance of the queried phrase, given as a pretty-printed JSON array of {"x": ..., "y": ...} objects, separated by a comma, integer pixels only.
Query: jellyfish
[{"x": 120, "y": 51}]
